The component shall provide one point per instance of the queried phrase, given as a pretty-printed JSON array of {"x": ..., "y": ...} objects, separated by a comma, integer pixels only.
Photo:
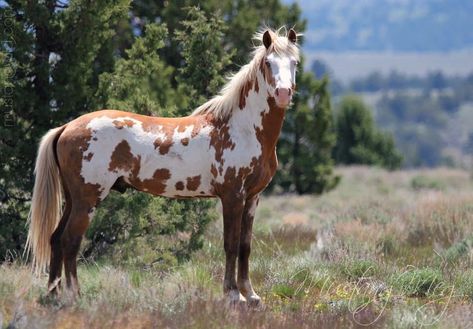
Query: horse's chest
[
  {"x": 245, "y": 167},
  {"x": 262, "y": 174}
]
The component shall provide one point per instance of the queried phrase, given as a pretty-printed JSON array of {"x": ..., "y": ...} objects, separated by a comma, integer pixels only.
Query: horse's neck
[
  {"x": 272, "y": 124},
  {"x": 260, "y": 115}
]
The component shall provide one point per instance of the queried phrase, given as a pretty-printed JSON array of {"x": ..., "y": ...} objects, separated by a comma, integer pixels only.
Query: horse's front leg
[
  {"x": 232, "y": 215},
  {"x": 244, "y": 282}
]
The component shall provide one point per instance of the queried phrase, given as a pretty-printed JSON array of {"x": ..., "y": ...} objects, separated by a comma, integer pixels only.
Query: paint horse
[{"x": 226, "y": 148}]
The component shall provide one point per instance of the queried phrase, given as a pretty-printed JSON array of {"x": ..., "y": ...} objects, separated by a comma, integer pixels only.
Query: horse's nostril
[
  {"x": 290, "y": 92},
  {"x": 277, "y": 91}
]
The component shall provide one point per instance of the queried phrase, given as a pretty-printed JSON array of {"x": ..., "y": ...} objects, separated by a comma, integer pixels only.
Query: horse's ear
[
  {"x": 292, "y": 36},
  {"x": 267, "y": 40}
]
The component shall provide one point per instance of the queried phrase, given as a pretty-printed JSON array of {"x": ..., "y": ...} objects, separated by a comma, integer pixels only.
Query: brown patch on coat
[
  {"x": 164, "y": 146},
  {"x": 250, "y": 84},
  {"x": 193, "y": 183},
  {"x": 231, "y": 187},
  {"x": 243, "y": 172},
  {"x": 123, "y": 123},
  {"x": 244, "y": 93},
  {"x": 88, "y": 157},
  {"x": 157, "y": 184},
  {"x": 213, "y": 170},
  {"x": 121, "y": 158},
  {"x": 169, "y": 125},
  {"x": 179, "y": 186},
  {"x": 267, "y": 73},
  {"x": 220, "y": 140}
]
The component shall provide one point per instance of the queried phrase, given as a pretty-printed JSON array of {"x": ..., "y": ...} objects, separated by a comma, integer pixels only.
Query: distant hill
[{"x": 388, "y": 25}]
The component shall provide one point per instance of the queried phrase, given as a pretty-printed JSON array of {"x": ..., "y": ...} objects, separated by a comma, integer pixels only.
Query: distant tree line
[
  {"x": 429, "y": 117},
  {"x": 431, "y": 123}
]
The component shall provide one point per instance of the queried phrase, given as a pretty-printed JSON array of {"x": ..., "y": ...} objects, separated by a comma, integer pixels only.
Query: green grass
[{"x": 376, "y": 252}]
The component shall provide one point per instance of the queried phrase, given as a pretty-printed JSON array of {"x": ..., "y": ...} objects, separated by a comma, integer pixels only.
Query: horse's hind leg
[
  {"x": 55, "y": 265},
  {"x": 81, "y": 214}
]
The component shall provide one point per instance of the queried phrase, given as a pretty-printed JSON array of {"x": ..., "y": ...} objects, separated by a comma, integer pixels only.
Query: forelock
[{"x": 280, "y": 43}]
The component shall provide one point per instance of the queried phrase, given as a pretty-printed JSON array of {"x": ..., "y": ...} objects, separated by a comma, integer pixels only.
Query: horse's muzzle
[{"x": 283, "y": 96}]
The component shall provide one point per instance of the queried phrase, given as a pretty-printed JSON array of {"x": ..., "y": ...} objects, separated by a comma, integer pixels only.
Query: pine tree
[
  {"x": 141, "y": 81},
  {"x": 358, "y": 140},
  {"x": 204, "y": 57},
  {"x": 54, "y": 64}
]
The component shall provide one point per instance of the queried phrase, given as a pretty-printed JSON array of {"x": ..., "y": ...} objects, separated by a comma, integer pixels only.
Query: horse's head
[{"x": 279, "y": 65}]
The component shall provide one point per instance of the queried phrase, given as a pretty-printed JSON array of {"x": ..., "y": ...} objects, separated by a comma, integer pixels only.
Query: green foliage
[
  {"x": 419, "y": 282},
  {"x": 283, "y": 291},
  {"x": 424, "y": 182},
  {"x": 138, "y": 229},
  {"x": 140, "y": 82},
  {"x": 464, "y": 284},
  {"x": 358, "y": 140},
  {"x": 434, "y": 111},
  {"x": 459, "y": 250},
  {"x": 362, "y": 268},
  {"x": 53, "y": 76},
  {"x": 415, "y": 118},
  {"x": 204, "y": 56}
]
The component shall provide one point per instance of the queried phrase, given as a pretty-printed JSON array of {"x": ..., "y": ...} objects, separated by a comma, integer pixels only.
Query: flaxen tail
[{"x": 46, "y": 204}]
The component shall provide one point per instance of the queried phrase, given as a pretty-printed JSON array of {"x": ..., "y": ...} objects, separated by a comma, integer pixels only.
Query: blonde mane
[{"x": 221, "y": 105}]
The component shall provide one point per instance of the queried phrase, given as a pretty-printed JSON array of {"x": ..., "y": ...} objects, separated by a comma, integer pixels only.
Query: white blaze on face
[{"x": 283, "y": 69}]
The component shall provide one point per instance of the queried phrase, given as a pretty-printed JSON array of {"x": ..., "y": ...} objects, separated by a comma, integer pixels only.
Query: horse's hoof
[
  {"x": 254, "y": 301},
  {"x": 235, "y": 299},
  {"x": 54, "y": 287}
]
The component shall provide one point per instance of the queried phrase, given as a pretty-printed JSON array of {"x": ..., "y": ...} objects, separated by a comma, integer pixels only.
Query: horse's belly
[{"x": 174, "y": 179}]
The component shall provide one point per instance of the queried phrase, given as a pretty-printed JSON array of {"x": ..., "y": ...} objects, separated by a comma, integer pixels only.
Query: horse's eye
[
  {"x": 268, "y": 64},
  {"x": 295, "y": 63}
]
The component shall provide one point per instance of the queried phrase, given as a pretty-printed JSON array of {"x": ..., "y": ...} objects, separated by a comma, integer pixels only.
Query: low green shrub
[
  {"x": 421, "y": 182},
  {"x": 418, "y": 282},
  {"x": 458, "y": 250},
  {"x": 140, "y": 230},
  {"x": 355, "y": 269}
]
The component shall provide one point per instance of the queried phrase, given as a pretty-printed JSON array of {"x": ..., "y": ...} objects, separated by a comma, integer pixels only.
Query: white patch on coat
[{"x": 182, "y": 161}]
